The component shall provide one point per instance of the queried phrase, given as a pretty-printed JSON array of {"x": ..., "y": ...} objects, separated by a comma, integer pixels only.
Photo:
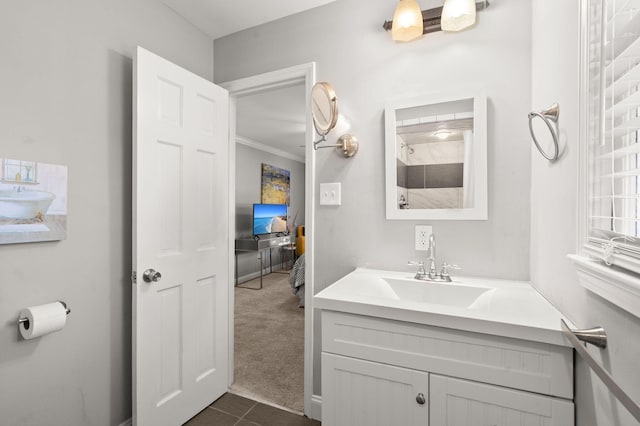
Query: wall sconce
[{"x": 454, "y": 15}]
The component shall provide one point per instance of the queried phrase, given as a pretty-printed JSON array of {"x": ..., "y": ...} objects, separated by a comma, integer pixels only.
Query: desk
[
  {"x": 252, "y": 244},
  {"x": 288, "y": 257}
]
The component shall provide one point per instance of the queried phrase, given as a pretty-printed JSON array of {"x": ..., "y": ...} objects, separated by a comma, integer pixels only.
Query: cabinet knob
[{"x": 420, "y": 399}]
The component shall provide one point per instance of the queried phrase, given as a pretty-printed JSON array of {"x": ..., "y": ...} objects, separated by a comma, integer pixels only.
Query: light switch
[{"x": 330, "y": 194}]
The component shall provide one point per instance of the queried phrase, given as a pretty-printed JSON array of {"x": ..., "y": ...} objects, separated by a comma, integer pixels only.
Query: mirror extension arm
[{"x": 347, "y": 145}]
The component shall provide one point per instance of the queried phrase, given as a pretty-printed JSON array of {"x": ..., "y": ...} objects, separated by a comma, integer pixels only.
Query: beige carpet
[{"x": 269, "y": 343}]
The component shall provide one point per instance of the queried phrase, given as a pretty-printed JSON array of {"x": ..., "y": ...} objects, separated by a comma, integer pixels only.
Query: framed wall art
[{"x": 33, "y": 201}]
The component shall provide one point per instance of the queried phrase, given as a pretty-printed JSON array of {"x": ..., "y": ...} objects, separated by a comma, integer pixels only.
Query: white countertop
[{"x": 495, "y": 306}]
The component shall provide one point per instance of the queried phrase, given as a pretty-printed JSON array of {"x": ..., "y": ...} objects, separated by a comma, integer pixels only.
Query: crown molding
[{"x": 266, "y": 148}]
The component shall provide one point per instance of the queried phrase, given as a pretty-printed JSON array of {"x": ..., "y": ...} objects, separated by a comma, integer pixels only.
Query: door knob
[
  {"x": 151, "y": 276},
  {"x": 420, "y": 399}
]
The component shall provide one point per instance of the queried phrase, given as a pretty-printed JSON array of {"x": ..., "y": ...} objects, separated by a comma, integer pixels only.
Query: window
[
  {"x": 18, "y": 171},
  {"x": 611, "y": 130}
]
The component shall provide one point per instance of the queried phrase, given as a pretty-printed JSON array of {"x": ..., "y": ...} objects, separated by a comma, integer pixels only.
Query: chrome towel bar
[
  {"x": 598, "y": 337},
  {"x": 547, "y": 115}
]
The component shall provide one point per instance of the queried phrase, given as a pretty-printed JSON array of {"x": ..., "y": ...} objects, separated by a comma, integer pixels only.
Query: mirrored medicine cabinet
[{"x": 436, "y": 156}]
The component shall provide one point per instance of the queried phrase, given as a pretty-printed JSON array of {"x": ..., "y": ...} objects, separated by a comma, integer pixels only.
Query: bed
[{"x": 296, "y": 280}]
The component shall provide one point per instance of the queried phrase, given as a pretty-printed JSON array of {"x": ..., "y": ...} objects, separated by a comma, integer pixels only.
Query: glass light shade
[
  {"x": 407, "y": 21},
  {"x": 458, "y": 14}
]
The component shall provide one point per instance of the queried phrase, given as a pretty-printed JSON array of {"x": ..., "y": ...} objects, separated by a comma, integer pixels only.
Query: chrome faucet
[
  {"x": 432, "y": 257},
  {"x": 432, "y": 274}
]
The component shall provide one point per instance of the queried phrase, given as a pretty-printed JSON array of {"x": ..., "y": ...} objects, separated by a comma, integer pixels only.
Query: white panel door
[
  {"x": 180, "y": 229},
  {"x": 357, "y": 392},
  {"x": 457, "y": 402}
]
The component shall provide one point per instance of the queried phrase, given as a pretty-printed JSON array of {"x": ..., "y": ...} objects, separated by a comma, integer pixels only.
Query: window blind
[{"x": 614, "y": 126}]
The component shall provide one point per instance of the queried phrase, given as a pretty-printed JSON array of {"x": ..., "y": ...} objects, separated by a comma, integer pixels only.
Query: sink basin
[
  {"x": 434, "y": 293},
  {"x": 480, "y": 305}
]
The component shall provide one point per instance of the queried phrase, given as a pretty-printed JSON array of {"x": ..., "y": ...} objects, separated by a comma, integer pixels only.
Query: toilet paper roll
[{"x": 43, "y": 319}]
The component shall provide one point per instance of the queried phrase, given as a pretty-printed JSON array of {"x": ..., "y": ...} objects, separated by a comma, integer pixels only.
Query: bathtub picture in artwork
[{"x": 33, "y": 201}]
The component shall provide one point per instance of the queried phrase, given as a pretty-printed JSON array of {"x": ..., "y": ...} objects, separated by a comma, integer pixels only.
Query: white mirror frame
[{"x": 479, "y": 211}]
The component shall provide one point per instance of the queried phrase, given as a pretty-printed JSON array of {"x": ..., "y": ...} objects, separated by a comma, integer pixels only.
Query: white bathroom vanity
[{"x": 396, "y": 350}]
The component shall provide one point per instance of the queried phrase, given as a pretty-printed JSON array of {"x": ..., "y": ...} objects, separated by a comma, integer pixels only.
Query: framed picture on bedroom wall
[{"x": 275, "y": 185}]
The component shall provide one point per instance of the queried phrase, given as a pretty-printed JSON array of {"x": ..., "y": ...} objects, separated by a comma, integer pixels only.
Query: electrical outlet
[{"x": 422, "y": 237}]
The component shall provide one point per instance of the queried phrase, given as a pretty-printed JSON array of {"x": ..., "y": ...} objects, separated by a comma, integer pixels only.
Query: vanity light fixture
[
  {"x": 458, "y": 15},
  {"x": 454, "y": 15}
]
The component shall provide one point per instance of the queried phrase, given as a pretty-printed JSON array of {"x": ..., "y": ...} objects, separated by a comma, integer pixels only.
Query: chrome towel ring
[{"x": 546, "y": 115}]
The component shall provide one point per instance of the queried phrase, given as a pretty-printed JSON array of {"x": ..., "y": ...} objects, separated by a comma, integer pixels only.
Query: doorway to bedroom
[{"x": 270, "y": 233}]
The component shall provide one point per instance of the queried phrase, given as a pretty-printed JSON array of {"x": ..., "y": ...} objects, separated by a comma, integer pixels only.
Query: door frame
[{"x": 306, "y": 74}]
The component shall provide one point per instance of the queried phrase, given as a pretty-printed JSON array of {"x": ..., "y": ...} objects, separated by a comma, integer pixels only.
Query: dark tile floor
[{"x": 235, "y": 410}]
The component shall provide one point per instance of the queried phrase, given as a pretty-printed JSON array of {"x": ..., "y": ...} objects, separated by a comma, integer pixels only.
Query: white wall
[
  {"x": 555, "y": 71},
  {"x": 248, "y": 185},
  {"x": 366, "y": 67},
  {"x": 66, "y": 83}
]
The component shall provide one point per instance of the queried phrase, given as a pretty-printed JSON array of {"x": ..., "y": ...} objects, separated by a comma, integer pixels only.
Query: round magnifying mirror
[{"x": 324, "y": 107}]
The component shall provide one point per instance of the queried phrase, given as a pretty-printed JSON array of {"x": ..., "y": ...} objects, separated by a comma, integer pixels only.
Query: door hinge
[{"x": 134, "y": 277}]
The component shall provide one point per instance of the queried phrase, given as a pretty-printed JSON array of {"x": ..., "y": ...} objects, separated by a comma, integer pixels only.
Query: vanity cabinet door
[
  {"x": 357, "y": 392},
  {"x": 455, "y": 402}
]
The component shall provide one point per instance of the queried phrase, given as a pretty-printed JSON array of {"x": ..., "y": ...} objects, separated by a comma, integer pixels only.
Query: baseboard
[
  {"x": 316, "y": 407},
  {"x": 126, "y": 422}
]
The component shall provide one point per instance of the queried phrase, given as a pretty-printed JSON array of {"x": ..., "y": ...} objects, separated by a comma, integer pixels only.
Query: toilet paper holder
[{"x": 25, "y": 321}]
